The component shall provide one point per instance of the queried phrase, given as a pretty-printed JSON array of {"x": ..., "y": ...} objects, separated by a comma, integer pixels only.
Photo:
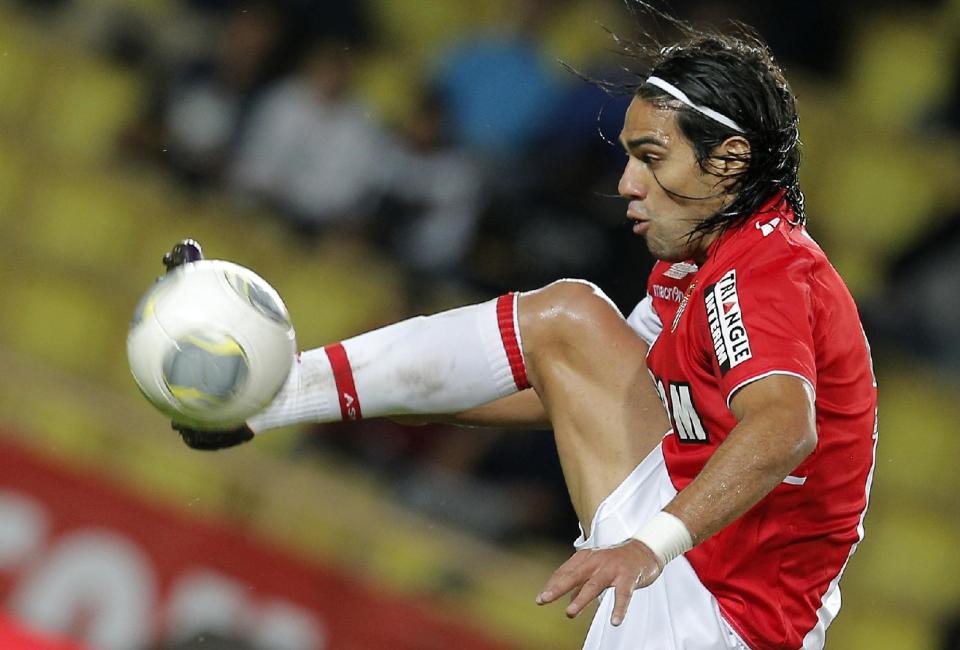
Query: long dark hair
[{"x": 736, "y": 75}]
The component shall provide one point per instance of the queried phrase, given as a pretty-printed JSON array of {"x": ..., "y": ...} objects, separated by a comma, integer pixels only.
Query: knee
[{"x": 566, "y": 310}]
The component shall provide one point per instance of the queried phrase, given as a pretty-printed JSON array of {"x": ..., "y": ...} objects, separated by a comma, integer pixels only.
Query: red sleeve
[{"x": 760, "y": 323}]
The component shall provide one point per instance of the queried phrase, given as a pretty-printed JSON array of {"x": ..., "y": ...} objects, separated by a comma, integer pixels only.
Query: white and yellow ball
[{"x": 210, "y": 344}]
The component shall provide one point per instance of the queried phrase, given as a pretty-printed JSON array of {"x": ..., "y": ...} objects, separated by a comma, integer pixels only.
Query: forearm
[{"x": 757, "y": 455}]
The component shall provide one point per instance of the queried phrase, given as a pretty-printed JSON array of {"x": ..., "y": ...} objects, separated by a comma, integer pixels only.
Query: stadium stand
[{"x": 83, "y": 232}]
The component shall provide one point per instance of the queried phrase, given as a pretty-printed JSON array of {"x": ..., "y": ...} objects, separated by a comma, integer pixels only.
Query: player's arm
[
  {"x": 522, "y": 410},
  {"x": 776, "y": 431}
]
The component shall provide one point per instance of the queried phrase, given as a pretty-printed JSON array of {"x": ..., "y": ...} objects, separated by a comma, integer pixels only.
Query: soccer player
[{"x": 718, "y": 444}]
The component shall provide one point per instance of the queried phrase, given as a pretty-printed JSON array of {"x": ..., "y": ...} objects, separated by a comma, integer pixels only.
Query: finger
[
  {"x": 623, "y": 592},
  {"x": 575, "y": 593},
  {"x": 570, "y": 575},
  {"x": 647, "y": 576},
  {"x": 590, "y": 590}
]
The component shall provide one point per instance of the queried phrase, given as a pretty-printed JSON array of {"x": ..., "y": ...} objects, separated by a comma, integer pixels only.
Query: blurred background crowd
[{"x": 377, "y": 159}]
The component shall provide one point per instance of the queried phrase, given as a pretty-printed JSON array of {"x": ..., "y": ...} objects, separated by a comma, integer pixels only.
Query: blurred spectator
[
  {"x": 947, "y": 116},
  {"x": 503, "y": 485},
  {"x": 918, "y": 310},
  {"x": 435, "y": 194},
  {"x": 310, "y": 148},
  {"x": 950, "y": 633},
  {"x": 569, "y": 220},
  {"x": 308, "y": 20},
  {"x": 196, "y": 116},
  {"x": 499, "y": 84}
]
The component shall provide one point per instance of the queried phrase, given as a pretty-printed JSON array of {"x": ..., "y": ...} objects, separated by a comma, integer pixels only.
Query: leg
[
  {"x": 589, "y": 369},
  {"x": 586, "y": 364}
]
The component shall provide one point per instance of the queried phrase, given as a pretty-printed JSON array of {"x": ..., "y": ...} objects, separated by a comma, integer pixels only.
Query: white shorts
[{"x": 676, "y": 612}]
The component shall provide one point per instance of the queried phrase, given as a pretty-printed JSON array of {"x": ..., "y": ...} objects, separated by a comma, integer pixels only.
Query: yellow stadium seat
[
  {"x": 12, "y": 180},
  {"x": 917, "y": 405},
  {"x": 426, "y": 26},
  {"x": 20, "y": 70},
  {"x": 338, "y": 291},
  {"x": 389, "y": 83},
  {"x": 73, "y": 428},
  {"x": 84, "y": 220},
  {"x": 907, "y": 555},
  {"x": 871, "y": 204},
  {"x": 255, "y": 240},
  {"x": 85, "y": 103},
  {"x": 883, "y": 628},
  {"x": 575, "y": 32},
  {"x": 63, "y": 321},
  {"x": 900, "y": 68},
  {"x": 951, "y": 16}
]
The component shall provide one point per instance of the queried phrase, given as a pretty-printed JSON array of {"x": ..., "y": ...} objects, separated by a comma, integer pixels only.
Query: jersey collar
[{"x": 776, "y": 206}]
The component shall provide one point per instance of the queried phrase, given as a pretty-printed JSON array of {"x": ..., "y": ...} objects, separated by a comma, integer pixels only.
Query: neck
[{"x": 702, "y": 250}]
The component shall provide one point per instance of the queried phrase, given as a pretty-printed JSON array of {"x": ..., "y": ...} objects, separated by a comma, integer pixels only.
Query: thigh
[{"x": 589, "y": 369}]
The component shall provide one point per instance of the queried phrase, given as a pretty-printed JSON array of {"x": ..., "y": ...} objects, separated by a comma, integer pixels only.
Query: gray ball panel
[
  {"x": 201, "y": 372},
  {"x": 261, "y": 299}
]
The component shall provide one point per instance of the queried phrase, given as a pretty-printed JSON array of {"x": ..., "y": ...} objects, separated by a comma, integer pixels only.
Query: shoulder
[{"x": 770, "y": 250}]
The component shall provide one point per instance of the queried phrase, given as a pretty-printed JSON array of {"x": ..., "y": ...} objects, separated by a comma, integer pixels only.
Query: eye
[{"x": 649, "y": 158}]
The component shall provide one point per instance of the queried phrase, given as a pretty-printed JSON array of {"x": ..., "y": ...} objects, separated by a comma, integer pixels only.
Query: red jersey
[{"x": 767, "y": 301}]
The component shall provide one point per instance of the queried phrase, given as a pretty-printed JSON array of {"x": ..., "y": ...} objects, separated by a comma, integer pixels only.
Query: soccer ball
[{"x": 210, "y": 344}]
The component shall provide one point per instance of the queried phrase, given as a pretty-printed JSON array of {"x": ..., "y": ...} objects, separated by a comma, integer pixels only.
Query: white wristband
[{"x": 666, "y": 536}]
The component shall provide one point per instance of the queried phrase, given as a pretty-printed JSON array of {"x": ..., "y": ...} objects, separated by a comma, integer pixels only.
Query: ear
[{"x": 731, "y": 157}]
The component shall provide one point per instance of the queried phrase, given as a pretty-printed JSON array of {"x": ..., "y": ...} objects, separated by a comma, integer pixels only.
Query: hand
[
  {"x": 213, "y": 440},
  {"x": 625, "y": 567}
]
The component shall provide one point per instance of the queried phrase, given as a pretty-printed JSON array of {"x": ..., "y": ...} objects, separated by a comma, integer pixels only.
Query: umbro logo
[{"x": 769, "y": 227}]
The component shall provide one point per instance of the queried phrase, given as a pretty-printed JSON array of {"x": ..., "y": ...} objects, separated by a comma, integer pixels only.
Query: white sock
[{"x": 443, "y": 363}]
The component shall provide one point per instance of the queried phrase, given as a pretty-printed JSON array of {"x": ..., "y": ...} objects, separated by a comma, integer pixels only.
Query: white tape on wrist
[{"x": 666, "y": 536}]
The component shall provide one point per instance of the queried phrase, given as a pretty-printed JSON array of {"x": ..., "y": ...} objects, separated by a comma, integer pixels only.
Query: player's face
[{"x": 660, "y": 157}]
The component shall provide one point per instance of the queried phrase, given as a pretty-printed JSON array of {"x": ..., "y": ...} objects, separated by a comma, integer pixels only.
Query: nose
[{"x": 632, "y": 185}]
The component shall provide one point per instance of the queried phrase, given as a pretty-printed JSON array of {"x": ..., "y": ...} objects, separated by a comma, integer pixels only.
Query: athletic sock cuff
[
  {"x": 508, "y": 323},
  {"x": 302, "y": 398}
]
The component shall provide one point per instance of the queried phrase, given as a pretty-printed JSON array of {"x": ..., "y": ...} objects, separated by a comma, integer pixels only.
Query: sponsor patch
[
  {"x": 730, "y": 340},
  {"x": 673, "y": 294}
]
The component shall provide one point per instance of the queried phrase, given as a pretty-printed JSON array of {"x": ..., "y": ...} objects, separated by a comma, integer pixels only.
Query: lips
[{"x": 634, "y": 213}]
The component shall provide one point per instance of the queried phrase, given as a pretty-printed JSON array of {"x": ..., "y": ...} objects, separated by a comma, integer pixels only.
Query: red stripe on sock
[
  {"x": 508, "y": 334},
  {"x": 343, "y": 376}
]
